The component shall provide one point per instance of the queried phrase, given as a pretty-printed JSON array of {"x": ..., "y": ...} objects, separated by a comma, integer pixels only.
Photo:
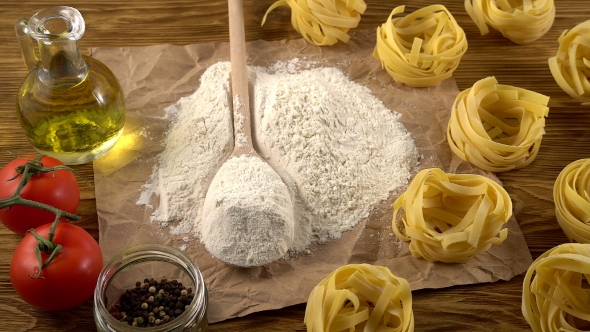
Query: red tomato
[
  {"x": 58, "y": 189},
  {"x": 68, "y": 280}
]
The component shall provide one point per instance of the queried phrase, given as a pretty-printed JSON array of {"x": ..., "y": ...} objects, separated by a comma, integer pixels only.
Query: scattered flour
[
  {"x": 336, "y": 146},
  {"x": 241, "y": 140}
]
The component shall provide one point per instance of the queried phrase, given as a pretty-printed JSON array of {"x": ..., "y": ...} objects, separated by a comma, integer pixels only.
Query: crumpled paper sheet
[{"x": 155, "y": 77}]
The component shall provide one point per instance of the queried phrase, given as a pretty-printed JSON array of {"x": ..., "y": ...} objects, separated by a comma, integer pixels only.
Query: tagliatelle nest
[
  {"x": 521, "y": 21},
  {"x": 555, "y": 291},
  {"x": 571, "y": 66},
  {"x": 572, "y": 200},
  {"x": 421, "y": 49},
  {"x": 452, "y": 217},
  {"x": 497, "y": 127},
  {"x": 323, "y": 22},
  {"x": 360, "y": 297}
]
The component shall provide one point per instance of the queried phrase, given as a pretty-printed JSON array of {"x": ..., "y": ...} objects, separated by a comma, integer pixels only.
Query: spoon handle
[{"x": 239, "y": 80}]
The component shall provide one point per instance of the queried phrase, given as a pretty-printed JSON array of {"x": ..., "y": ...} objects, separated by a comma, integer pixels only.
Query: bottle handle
[{"x": 25, "y": 41}]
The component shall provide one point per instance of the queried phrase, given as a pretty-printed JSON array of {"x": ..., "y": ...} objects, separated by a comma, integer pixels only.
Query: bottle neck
[{"x": 61, "y": 62}]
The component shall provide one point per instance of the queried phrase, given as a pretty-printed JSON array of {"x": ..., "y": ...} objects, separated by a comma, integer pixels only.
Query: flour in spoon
[
  {"x": 248, "y": 213},
  {"x": 336, "y": 146}
]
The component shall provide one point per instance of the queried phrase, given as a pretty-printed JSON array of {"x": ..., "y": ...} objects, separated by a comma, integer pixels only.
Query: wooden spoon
[{"x": 248, "y": 211}]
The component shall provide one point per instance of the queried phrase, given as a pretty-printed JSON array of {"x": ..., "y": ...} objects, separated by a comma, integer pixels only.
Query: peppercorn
[{"x": 152, "y": 303}]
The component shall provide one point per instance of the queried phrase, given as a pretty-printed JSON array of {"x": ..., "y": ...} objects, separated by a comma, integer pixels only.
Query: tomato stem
[
  {"x": 30, "y": 169},
  {"x": 47, "y": 246}
]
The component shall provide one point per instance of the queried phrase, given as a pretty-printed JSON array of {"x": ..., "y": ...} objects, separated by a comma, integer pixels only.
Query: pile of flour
[
  {"x": 197, "y": 144},
  {"x": 336, "y": 146}
]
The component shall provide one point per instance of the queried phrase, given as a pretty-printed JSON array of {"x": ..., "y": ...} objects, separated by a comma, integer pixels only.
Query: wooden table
[{"x": 485, "y": 307}]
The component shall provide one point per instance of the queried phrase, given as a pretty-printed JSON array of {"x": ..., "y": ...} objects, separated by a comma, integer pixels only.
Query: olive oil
[
  {"x": 70, "y": 106},
  {"x": 73, "y": 122}
]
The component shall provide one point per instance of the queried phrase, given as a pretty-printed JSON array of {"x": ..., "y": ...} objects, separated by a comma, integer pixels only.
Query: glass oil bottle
[{"x": 70, "y": 106}]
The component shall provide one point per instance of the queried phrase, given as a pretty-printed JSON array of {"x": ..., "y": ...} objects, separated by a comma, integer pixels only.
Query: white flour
[
  {"x": 248, "y": 213},
  {"x": 195, "y": 147},
  {"x": 336, "y": 146}
]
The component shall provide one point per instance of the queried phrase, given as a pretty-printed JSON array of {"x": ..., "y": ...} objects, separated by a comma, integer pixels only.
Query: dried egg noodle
[
  {"x": 572, "y": 202},
  {"x": 422, "y": 48},
  {"x": 497, "y": 127},
  {"x": 360, "y": 297},
  {"x": 571, "y": 66},
  {"x": 522, "y": 21},
  {"x": 452, "y": 217},
  {"x": 323, "y": 22},
  {"x": 555, "y": 290}
]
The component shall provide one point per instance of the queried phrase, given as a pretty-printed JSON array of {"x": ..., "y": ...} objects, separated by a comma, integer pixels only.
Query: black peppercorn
[{"x": 152, "y": 303}]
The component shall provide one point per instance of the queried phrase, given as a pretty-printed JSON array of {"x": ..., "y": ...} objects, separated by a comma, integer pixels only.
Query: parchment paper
[{"x": 155, "y": 77}]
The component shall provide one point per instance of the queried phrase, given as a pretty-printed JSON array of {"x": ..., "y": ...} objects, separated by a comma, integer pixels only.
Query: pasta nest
[
  {"x": 571, "y": 66},
  {"x": 521, "y": 21},
  {"x": 323, "y": 22},
  {"x": 359, "y": 297},
  {"x": 572, "y": 200},
  {"x": 452, "y": 217},
  {"x": 421, "y": 49},
  {"x": 497, "y": 127},
  {"x": 555, "y": 290}
]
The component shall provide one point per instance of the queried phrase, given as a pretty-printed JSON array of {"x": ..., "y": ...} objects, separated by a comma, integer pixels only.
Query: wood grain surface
[{"x": 485, "y": 307}]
